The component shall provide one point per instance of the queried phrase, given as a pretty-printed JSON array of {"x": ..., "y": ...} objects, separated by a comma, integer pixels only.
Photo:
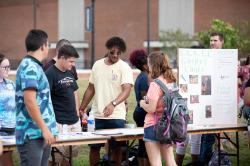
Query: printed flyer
[{"x": 208, "y": 82}]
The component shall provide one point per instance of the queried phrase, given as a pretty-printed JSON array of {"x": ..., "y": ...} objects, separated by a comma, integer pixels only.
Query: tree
[
  {"x": 244, "y": 32},
  {"x": 232, "y": 38},
  {"x": 172, "y": 40}
]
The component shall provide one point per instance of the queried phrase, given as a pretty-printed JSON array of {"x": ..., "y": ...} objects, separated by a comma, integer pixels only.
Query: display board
[{"x": 208, "y": 81}]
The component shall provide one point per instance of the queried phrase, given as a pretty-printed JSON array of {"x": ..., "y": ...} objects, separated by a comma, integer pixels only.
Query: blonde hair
[{"x": 160, "y": 66}]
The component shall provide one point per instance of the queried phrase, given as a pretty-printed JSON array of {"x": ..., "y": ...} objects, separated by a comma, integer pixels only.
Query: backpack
[
  {"x": 172, "y": 126},
  {"x": 224, "y": 159}
]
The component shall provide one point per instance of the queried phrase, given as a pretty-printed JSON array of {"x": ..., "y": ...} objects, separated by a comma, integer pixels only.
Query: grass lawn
[{"x": 82, "y": 159}]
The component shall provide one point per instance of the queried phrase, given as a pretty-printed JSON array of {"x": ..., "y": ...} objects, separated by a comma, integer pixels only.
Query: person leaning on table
[{"x": 110, "y": 84}]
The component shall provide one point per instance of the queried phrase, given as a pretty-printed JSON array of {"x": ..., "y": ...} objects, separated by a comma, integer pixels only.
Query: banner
[{"x": 208, "y": 81}]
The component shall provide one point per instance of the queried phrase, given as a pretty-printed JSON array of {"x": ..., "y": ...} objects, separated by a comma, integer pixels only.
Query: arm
[
  {"x": 247, "y": 96},
  {"x": 126, "y": 88},
  {"x": 149, "y": 102},
  {"x": 88, "y": 95},
  {"x": 34, "y": 112},
  {"x": 150, "y": 106},
  {"x": 77, "y": 100},
  {"x": 143, "y": 93}
]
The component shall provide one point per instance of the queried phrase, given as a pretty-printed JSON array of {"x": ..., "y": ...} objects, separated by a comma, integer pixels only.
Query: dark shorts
[
  {"x": 149, "y": 134},
  {"x": 108, "y": 124}
]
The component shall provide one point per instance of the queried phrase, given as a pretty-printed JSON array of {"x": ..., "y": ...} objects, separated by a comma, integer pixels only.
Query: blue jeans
[
  {"x": 149, "y": 134},
  {"x": 34, "y": 152},
  {"x": 207, "y": 142}
]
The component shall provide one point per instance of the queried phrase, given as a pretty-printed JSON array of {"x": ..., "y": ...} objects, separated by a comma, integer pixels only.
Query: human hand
[
  {"x": 48, "y": 137},
  {"x": 108, "y": 110},
  {"x": 146, "y": 99}
]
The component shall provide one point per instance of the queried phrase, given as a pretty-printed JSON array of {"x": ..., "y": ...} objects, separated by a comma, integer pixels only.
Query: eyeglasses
[
  {"x": 5, "y": 67},
  {"x": 115, "y": 53}
]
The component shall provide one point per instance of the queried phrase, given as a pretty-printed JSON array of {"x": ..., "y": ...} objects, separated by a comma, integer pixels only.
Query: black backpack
[{"x": 172, "y": 126}]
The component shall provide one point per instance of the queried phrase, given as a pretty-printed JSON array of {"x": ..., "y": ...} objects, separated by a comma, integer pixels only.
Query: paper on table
[
  {"x": 72, "y": 135},
  {"x": 108, "y": 132},
  {"x": 136, "y": 131},
  {"x": 8, "y": 139},
  {"x": 125, "y": 131}
]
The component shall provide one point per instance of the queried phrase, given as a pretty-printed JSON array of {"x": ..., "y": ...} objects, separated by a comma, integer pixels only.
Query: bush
[{"x": 231, "y": 34}]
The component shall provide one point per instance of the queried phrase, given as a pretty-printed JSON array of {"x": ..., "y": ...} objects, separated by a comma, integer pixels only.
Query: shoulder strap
[{"x": 162, "y": 85}]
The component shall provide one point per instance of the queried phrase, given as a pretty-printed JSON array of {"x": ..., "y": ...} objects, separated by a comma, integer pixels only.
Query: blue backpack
[{"x": 172, "y": 126}]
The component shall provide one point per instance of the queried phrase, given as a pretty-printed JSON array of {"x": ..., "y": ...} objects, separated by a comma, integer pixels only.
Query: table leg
[
  {"x": 238, "y": 148},
  {"x": 70, "y": 155},
  {"x": 127, "y": 153},
  {"x": 53, "y": 156},
  {"x": 219, "y": 151}
]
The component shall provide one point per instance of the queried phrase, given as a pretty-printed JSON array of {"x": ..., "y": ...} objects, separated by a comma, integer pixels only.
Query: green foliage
[
  {"x": 172, "y": 40},
  {"x": 244, "y": 32},
  {"x": 231, "y": 34}
]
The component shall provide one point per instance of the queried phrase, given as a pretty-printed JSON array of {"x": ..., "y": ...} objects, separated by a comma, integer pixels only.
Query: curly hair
[
  {"x": 117, "y": 42},
  {"x": 160, "y": 65},
  {"x": 138, "y": 58}
]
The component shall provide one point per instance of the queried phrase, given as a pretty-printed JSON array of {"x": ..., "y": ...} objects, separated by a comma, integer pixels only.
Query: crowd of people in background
[{"x": 45, "y": 98}]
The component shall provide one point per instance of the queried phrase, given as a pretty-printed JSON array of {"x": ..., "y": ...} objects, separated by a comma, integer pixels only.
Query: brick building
[{"x": 124, "y": 18}]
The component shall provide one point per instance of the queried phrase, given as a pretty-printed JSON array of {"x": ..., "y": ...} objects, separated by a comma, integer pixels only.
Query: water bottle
[
  {"x": 65, "y": 129},
  {"x": 91, "y": 123}
]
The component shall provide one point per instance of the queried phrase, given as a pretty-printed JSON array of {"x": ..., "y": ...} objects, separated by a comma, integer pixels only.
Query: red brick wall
[
  {"x": 17, "y": 19},
  {"x": 124, "y": 18},
  {"x": 228, "y": 10}
]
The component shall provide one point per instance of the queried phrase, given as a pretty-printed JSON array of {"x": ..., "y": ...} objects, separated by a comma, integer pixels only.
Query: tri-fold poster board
[{"x": 208, "y": 81}]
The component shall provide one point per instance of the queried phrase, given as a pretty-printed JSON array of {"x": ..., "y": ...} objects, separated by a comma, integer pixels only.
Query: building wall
[
  {"x": 176, "y": 14},
  {"x": 71, "y": 24},
  {"x": 228, "y": 10},
  {"x": 17, "y": 19},
  {"x": 71, "y": 20},
  {"x": 124, "y": 18}
]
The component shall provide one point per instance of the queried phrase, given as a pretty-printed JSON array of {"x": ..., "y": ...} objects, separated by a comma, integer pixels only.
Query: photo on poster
[
  {"x": 208, "y": 110},
  {"x": 190, "y": 116},
  {"x": 183, "y": 78},
  {"x": 205, "y": 85},
  {"x": 183, "y": 88},
  {"x": 193, "y": 79},
  {"x": 194, "y": 99}
]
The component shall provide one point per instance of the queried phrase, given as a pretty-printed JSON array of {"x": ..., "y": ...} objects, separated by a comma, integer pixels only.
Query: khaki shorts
[{"x": 64, "y": 150}]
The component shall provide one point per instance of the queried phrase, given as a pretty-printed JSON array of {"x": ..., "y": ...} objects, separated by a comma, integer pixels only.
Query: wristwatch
[{"x": 114, "y": 103}]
